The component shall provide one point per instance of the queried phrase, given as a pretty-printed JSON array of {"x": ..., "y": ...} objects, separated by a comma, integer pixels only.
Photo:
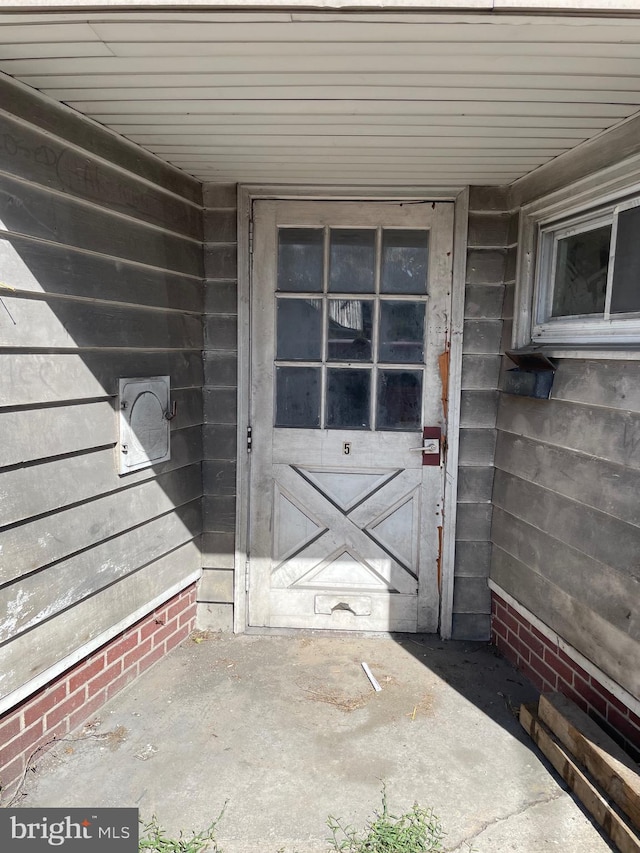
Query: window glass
[
  {"x": 399, "y": 399},
  {"x": 350, "y": 323},
  {"x": 348, "y": 398},
  {"x": 580, "y": 281},
  {"x": 625, "y": 294},
  {"x": 300, "y": 259},
  {"x": 298, "y": 396},
  {"x": 402, "y": 331},
  {"x": 405, "y": 258},
  {"x": 299, "y": 329},
  {"x": 352, "y": 261}
]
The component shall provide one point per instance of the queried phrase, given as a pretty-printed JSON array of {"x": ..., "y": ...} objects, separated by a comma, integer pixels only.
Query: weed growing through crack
[
  {"x": 155, "y": 838},
  {"x": 416, "y": 831}
]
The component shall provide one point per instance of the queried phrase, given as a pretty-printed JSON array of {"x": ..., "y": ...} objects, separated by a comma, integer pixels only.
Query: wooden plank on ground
[
  {"x": 587, "y": 792},
  {"x": 608, "y": 763}
]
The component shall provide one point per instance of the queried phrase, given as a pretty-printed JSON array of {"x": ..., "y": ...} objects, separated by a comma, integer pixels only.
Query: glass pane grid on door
[{"x": 350, "y": 327}]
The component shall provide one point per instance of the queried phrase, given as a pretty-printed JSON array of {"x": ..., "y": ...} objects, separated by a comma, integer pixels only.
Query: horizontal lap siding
[
  {"x": 216, "y": 589},
  {"x": 100, "y": 278},
  {"x": 566, "y": 524},
  {"x": 489, "y": 266}
]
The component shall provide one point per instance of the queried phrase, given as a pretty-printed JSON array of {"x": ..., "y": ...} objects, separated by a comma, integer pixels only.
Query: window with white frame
[{"x": 583, "y": 287}]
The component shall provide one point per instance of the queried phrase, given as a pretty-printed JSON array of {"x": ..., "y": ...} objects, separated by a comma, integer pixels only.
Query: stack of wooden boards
[{"x": 603, "y": 777}]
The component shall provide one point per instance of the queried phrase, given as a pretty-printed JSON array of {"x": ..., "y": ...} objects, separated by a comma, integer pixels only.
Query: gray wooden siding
[
  {"x": 489, "y": 263},
  {"x": 215, "y": 591},
  {"x": 566, "y": 521},
  {"x": 566, "y": 524},
  {"x": 100, "y": 277}
]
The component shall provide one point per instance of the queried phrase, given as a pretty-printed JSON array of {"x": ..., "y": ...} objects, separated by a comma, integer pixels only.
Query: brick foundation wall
[
  {"x": 73, "y": 697},
  {"x": 549, "y": 668}
]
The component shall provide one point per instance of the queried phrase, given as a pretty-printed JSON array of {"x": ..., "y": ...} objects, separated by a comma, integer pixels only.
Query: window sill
[{"x": 624, "y": 352}]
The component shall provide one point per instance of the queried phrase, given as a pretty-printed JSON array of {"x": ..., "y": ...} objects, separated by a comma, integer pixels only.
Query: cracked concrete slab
[{"x": 288, "y": 730}]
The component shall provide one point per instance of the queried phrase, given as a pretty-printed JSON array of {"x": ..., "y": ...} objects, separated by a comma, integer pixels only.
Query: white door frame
[{"x": 247, "y": 195}]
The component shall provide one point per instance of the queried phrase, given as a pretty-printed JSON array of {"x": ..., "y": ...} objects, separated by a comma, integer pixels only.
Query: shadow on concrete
[{"x": 288, "y": 730}]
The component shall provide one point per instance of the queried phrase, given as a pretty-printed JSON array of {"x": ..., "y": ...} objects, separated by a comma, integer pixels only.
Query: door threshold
[{"x": 265, "y": 631}]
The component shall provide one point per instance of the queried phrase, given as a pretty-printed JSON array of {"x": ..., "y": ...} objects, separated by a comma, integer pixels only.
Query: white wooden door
[{"x": 350, "y": 310}]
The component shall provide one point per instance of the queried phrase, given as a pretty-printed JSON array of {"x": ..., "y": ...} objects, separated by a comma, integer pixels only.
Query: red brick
[
  {"x": 519, "y": 646},
  {"x": 508, "y": 652},
  {"x": 134, "y": 656},
  {"x": 499, "y": 615},
  {"x": 121, "y": 647},
  {"x": 635, "y": 719},
  {"x": 573, "y": 666},
  {"x": 563, "y": 687},
  {"x": 85, "y": 672},
  {"x": 511, "y": 622},
  {"x": 43, "y": 703},
  {"x": 532, "y": 642},
  {"x": 606, "y": 695},
  {"x": 591, "y": 696},
  {"x": 65, "y": 708},
  {"x": 9, "y": 729},
  {"x": 512, "y": 610},
  {"x": 21, "y": 744},
  {"x": 177, "y": 607},
  {"x": 121, "y": 682},
  {"x": 623, "y": 724},
  {"x": 87, "y": 710},
  {"x": 104, "y": 678},
  {"x": 11, "y": 775},
  {"x": 50, "y": 736},
  {"x": 188, "y": 619},
  {"x": 558, "y": 665},
  {"x": 164, "y": 632},
  {"x": 151, "y": 658},
  {"x": 177, "y": 638},
  {"x": 152, "y": 624},
  {"x": 542, "y": 637},
  {"x": 545, "y": 672}
]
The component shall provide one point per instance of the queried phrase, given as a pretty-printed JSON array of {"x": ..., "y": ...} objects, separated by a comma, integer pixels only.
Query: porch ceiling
[{"x": 414, "y": 99}]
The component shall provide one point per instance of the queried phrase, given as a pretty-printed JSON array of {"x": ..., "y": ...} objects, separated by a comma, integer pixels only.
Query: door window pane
[
  {"x": 402, "y": 331},
  {"x": 625, "y": 294},
  {"x": 350, "y": 322},
  {"x": 348, "y": 398},
  {"x": 298, "y": 397},
  {"x": 299, "y": 332},
  {"x": 352, "y": 261},
  {"x": 580, "y": 282},
  {"x": 399, "y": 399},
  {"x": 405, "y": 256},
  {"x": 300, "y": 259}
]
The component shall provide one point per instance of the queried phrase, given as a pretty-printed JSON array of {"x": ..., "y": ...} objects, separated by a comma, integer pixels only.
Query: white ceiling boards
[{"x": 384, "y": 98}]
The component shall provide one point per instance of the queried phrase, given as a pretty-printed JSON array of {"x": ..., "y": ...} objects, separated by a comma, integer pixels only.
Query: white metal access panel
[{"x": 350, "y": 312}]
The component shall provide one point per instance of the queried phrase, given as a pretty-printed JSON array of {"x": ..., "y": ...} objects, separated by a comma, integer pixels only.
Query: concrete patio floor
[{"x": 288, "y": 730}]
